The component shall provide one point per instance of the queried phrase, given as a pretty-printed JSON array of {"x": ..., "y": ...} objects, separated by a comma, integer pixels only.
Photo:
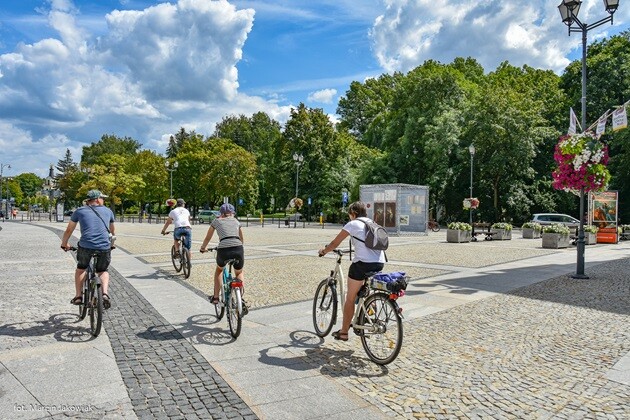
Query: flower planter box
[
  {"x": 590, "y": 238},
  {"x": 530, "y": 233},
  {"x": 555, "y": 240},
  {"x": 457, "y": 236},
  {"x": 501, "y": 234}
]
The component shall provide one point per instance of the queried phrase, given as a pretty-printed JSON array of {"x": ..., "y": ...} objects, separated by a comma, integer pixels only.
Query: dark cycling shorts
[
  {"x": 358, "y": 270},
  {"x": 233, "y": 252},
  {"x": 102, "y": 262}
]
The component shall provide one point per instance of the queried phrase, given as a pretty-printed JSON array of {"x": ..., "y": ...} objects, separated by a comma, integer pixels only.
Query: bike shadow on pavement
[
  {"x": 333, "y": 362},
  {"x": 62, "y": 327},
  {"x": 199, "y": 329}
]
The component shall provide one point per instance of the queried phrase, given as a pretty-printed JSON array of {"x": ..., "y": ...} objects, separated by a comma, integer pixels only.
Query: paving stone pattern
[
  {"x": 165, "y": 375},
  {"x": 539, "y": 352}
]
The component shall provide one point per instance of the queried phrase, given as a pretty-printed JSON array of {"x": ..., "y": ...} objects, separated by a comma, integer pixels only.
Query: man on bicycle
[
  {"x": 97, "y": 223},
  {"x": 365, "y": 260},
  {"x": 180, "y": 217}
]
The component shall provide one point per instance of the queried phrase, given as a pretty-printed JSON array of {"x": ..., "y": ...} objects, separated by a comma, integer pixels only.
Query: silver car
[
  {"x": 207, "y": 216},
  {"x": 551, "y": 218}
]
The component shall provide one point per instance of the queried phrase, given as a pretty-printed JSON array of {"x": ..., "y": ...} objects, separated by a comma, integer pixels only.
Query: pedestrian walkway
[{"x": 517, "y": 338}]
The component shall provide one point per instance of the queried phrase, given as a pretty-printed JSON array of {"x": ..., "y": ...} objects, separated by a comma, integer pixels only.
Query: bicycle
[
  {"x": 92, "y": 296},
  {"x": 377, "y": 319},
  {"x": 433, "y": 225},
  {"x": 180, "y": 257},
  {"x": 230, "y": 298}
]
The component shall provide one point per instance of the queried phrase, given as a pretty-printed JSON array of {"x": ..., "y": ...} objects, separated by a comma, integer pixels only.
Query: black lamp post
[
  {"x": 2, "y": 166},
  {"x": 471, "y": 149},
  {"x": 298, "y": 159},
  {"x": 568, "y": 11}
]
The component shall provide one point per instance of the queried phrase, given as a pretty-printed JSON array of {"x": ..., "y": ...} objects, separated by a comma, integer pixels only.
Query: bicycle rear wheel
[
  {"x": 382, "y": 340},
  {"x": 233, "y": 313},
  {"x": 177, "y": 262},
  {"x": 96, "y": 308},
  {"x": 435, "y": 227},
  {"x": 325, "y": 307},
  {"x": 186, "y": 262}
]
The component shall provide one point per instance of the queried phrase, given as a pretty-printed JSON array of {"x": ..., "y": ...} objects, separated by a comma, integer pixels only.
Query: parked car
[
  {"x": 551, "y": 218},
  {"x": 207, "y": 216}
]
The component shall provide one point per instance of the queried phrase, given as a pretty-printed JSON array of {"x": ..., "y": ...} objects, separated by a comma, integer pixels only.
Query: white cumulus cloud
[
  {"x": 521, "y": 31},
  {"x": 324, "y": 96}
]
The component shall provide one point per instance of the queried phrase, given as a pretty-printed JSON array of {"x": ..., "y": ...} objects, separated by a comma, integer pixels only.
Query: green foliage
[
  {"x": 532, "y": 225},
  {"x": 590, "y": 228},
  {"x": 501, "y": 225},
  {"x": 30, "y": 184},
  {"x": 459, "y": 226},
  {"x": 109, "y": 145},
  {"x": 556, "y": 228}
]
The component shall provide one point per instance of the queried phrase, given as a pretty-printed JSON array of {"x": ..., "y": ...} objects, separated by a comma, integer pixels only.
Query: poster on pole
[{"x": 619, "y": 119}]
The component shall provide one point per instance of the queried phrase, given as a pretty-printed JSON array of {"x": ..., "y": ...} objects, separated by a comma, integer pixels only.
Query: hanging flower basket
[
  {"x": 582, "y": 161},
  {"x": 171, "y": 202},
  {"x": 471, "y": 203}
]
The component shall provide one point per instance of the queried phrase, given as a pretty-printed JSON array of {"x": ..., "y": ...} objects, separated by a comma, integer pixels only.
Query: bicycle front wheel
[
  {"x": 96, "y": 309},
  {"x": 186, "y": 262},
  {"x": 383, "y": 334},
  {"x": 85, "y": 297},
  {"x": 324, "y": 307},
  {"x": 234, "y": 315},
  {"x": 177, "y": 262},
  {"x": 435, "y": 227}
]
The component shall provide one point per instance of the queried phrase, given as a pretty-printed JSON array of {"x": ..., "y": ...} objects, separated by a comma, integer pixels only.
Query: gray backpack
[{"x": 375, "y": 236}]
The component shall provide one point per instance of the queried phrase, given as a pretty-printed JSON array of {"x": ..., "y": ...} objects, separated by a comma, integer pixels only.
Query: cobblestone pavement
[
  {"x": 538, "y": 352},
  {"x": 164, "y": 374},
  {"x": 541, "y": 351}
]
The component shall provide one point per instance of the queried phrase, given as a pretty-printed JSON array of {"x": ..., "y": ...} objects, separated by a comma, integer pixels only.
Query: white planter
[
  {"x": 501, "y": 234},
  {"x": 590, "y": 238},
  {"x": 555, "y": 240},
  {"x": 529, "y": 233},
  {"x": 457, "y": 236}
]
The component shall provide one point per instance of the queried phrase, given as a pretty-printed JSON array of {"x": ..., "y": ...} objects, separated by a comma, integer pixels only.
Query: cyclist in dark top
[{"x": 94, "y": 219}]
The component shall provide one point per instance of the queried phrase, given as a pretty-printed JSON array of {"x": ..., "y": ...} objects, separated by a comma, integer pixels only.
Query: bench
[{"x": 486, "y": 232}]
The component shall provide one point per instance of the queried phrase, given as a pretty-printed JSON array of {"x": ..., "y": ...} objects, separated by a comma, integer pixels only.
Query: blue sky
[{"x": 73, "y": 70}]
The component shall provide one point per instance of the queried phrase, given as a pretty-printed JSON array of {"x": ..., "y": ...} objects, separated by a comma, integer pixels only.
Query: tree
[
  {"x": 109, "y": 145},
  {"x": 30, "y": 184}
]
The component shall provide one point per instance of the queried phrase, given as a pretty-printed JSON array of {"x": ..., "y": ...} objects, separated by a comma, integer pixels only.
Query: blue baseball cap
[{"x": 227, "y": 208}]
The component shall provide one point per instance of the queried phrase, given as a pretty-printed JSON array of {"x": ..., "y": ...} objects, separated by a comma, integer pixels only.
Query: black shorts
[
  {"x": 233, "y": 252},
  {"x": 358, "y": 270},
  {"x": 102, "y": 262}
]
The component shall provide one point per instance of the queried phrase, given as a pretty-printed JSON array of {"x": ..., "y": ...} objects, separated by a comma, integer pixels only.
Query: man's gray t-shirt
[{"x": 94, "y": 235}]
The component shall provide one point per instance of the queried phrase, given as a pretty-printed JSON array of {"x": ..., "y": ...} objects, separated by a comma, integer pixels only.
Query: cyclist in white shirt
[
  {"x": 365, "y": 260},
  {"x": 180, "y": 217}
]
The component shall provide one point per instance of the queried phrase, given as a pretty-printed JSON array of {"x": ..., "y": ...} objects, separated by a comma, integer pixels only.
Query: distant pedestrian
[{"x": 14, "y": 213}]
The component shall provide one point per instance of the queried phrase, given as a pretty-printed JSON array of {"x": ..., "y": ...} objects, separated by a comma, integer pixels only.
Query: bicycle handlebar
[{"x": 209, "y": 249}]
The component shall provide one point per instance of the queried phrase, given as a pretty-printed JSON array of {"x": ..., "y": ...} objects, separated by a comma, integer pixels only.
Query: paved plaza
[{"x": 492, "y": 329}]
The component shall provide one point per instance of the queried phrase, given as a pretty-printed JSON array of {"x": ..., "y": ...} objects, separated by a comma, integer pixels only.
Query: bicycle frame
[{"x": 229, "y": 285}]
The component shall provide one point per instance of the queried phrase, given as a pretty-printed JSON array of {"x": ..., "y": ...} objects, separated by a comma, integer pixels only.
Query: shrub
[
  {"x": 459, "y": 226},
  {"x": 590, "y": 228},
  {"x": 501, "y": 225},
  {"x": 532, "y": 225},
  {"x": 557, "y": 228}
]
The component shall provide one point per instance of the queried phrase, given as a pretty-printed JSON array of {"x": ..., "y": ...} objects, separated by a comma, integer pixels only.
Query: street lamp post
[
  {"x": 471, "y": 149},
  {"x": 171, "y": 169},
  {"x": 2, "y": 166},
  {"x": 298, "y": 159},
  {"x": 568, "y": 12}
]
